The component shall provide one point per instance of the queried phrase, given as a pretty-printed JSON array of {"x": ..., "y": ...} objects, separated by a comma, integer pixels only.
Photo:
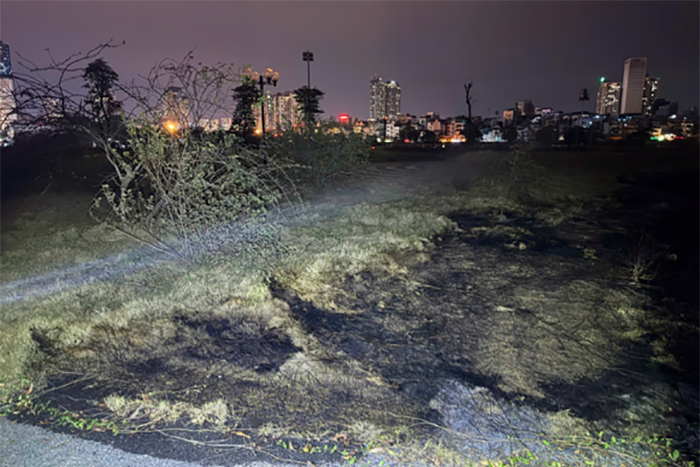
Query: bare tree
[
  {"x": 176, "y": 188},
  {"x": 469, "y": 98},
  {"x": 52, "y": 93},
  {"x": 471, "y": 131}
]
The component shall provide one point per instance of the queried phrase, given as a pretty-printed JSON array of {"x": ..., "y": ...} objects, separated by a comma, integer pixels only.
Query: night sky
[{"x": 544, "y": 51}]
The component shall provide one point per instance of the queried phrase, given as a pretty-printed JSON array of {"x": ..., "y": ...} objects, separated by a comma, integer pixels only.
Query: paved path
[{"x": 31, "y": 446}]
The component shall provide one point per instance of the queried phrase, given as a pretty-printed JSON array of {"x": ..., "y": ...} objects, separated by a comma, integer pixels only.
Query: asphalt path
[{"x": 31, "y": 446}]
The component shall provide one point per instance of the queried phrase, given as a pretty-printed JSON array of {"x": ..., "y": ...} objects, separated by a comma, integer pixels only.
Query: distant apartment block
[
  {"x": 384, "y": 99},
  {"x": 7, "y": 91},
  {"x": 433, "y": 125},
  {"x": 633, "y": 85},
  {"x": 651, "y": 93},
  {"x": 608, "y": 100},
  {"x": 284, "y": 110},
  {"x": 526, "y": 108},
  {"x": 509, "y": 115},
  {"x": 51, "y": 109},
  {"x": 5, "y": 61},
  {"x": 208, "y": 124},
  {"x": 7, "y": 105},
  {"x": 281, "y": 112},
  {"x": 225, "y": 123}
]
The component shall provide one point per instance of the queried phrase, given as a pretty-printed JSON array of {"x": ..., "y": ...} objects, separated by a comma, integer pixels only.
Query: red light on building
[{"x": 344, "y": 118}]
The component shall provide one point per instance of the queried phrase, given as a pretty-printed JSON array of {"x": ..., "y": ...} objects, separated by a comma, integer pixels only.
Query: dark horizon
[{"x": 545, "y": 52}]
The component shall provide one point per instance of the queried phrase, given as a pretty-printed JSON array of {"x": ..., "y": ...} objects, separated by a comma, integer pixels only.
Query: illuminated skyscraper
[
  {"x": 7, "y": 97},
  {"x": 7, "y": 106},
  {"x": 651, "y": 92},
  {"x": 281, "y": 112},
  {"x": 377, "y": 98},
  {"x": 633, "y": 84},
  {"x": 5, "y": 62},
  {"x": 384, "y": 99},
  {"x": 393, "y": 99},
  {"x": 608, "y": 101},
  {"x": 284, "y": 110}
]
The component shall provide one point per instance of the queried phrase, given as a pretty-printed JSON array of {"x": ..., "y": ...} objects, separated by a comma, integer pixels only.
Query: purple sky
[{"x": 544, "y": 51}]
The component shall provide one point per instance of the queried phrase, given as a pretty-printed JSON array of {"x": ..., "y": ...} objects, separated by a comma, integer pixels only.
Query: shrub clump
[
  {"x": 322, "y": 153},
  {"x": 188, "y": 194}
]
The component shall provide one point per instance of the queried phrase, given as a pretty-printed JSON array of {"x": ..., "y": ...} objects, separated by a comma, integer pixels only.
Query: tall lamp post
[
  {"x": 308, "y": 57},
  {"x": 269, "y": 77}
]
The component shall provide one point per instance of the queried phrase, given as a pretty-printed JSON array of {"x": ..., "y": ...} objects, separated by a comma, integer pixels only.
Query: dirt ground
[{"x": 511, "y": 324}]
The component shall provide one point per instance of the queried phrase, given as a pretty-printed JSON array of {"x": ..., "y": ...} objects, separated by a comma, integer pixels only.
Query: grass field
[{"x": 544, "y": 311}]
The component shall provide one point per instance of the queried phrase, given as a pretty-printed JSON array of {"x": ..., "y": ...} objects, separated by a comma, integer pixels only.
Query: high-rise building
[
  {"x": 608, "y": 101},
  {"x": 5, "y": 62},
  {"x": 651, "y": 92},
  {"x": 384, "y": 99},
  {"x": 7, "y": 106},
  {"x": 7, "y": 92},
  {"x": 377, "y": 98},
  {"x": 280, "y": 112},
  {"x": 284, "y": 110},
  {"x": 393, "y": 99},
  {"x": 633, "y": 84}
]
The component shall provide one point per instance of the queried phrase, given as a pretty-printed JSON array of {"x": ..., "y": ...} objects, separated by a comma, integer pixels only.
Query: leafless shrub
[
  {"x": 642, "y": 258},
  {"x": 174, "y": 187}
]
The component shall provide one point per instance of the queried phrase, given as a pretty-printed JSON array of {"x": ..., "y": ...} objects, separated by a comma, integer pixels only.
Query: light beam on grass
[{"x": 122, "y": 264}]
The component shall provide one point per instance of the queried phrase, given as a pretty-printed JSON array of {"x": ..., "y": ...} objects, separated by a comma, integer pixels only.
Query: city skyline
[{"x": 450, "y": 44}]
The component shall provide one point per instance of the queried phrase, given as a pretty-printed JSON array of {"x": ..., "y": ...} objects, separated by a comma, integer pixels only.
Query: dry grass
[
  {"x": 527, "y": 334},
  {"x": 356, "y": 238},
  {"x": 216, "y": 413}
]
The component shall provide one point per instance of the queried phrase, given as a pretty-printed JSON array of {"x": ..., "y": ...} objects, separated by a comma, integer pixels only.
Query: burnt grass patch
[
  {"x": 199, "y": 359},
  {"x": 259, "y": 349},
  {"x": 540, "y": 315}
]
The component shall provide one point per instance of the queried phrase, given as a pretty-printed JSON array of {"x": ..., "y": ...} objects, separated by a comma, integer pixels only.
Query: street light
[
  {"x": 308, "y": 57},
  {"x": 269, "y": 77}
]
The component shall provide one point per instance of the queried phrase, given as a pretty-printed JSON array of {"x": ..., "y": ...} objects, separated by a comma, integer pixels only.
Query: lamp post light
[
  {"x": 308, "y": 57},
  {"x": 385, "y": 122},
  {"x": 269, "y": 77}
]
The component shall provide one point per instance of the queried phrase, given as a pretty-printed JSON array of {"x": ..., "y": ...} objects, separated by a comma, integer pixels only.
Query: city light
[
  {"x": 602, "y": 79},
  {"x": 172, "y": 127},
  {"x": 343, "y": 117}
]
